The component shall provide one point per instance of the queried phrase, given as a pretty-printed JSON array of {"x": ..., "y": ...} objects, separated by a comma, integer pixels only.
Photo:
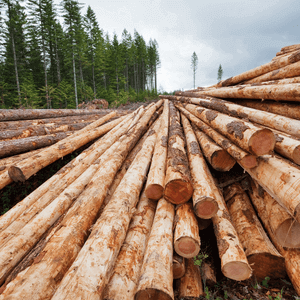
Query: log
[
  {"x": 281, "y": 180},
  {"x": 203, "y": 223},
  {"x": 178, "y": 266},
  {"x": 156, "y": 176},
  {"x": 156, "y": 280},
  {"x": 186, "y": 234},
  {"x": 243, "y": 157},
  {"x": 178, "y": 186},
  {"x": 204, "y": 203},
  {"x": 289, "y": 48},
  {"x": 263, "y": 257},
  {"x": 284, "y": 227},
  {"x": 208, "y": 274},
  {"x": 218, "y": 158},
  {"x": 23, "y": 170},
  {"x": 126, "y": 273},
  {"x": 114, "y": 222},
  {"x": 190, "y": 285},
  {"x": 268, "y": 67}
]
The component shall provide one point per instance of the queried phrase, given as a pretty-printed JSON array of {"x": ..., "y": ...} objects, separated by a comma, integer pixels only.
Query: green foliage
[
  {"x": 220, "y": 73},
  {"x": 198, "y": 259},
  {"x": 265, "y": 282}
]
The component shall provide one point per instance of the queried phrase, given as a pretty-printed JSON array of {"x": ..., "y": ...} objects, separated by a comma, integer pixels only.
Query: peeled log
[
  {"x": 205, "y": 205},
  {"x": 178, "y": 266},
  {"x": 261, "y": 254},
  {"x": 156, "y": 280},
  {"x": 126, "y": 273},
  {"x": 284, "y": 227},
  {"x": 178, "y": 186},
  {"x": 244, "y": 158},
  {"x": 156, "y": 176},
  {"x": 186, "y": 234}
]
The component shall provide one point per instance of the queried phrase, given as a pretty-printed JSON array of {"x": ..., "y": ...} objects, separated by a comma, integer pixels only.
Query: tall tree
[
  {"x": 220, "y": 73},
  {"x": 194, "y": 65}
]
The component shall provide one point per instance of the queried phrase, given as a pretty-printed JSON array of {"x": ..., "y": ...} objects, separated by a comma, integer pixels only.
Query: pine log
[
  {"x": 268, "y": 119},
  {"x": 204, "y": 203},
  {"x": 178, "y": 266},
  {"x": 208, "y": 274},
  {"x": 268, "y": 67},
  {"x": 156, "y": 280},
  {"x": 108, "y": 233},
  {"x": 284, "y": 227},
  {"x": 244, "y": 158},
  {"x": 156, "y": 176},
  {"x": 186, "y": 234},
  {"x": 234, "y": 264},
  {"x": 29, "y": 114},
  {"x": 23, "y": 170},
  {"x": 263, "y": 257},
  {"x": 218, "y": 158},
  {"x": 178, "y": 186},
  {"x": 190, "y": 285},
  {"x": 125, "y": 276},
  {"x": 247, "y": 136},
  {"x": 281, "y": 180}
]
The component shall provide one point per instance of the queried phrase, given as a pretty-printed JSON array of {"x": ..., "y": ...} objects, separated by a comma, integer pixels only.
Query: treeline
[{"x": 44, "y": 64}]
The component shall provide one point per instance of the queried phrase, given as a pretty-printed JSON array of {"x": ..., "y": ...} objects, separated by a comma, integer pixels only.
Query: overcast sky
[{"x": 238, "y": 34}]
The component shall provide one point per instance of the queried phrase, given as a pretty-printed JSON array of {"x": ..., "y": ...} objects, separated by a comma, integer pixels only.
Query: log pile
[{"x": 124, "y": 218}]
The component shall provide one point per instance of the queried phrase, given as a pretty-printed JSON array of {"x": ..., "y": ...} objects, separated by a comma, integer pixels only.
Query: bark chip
[{"x": 237, "y": 128}]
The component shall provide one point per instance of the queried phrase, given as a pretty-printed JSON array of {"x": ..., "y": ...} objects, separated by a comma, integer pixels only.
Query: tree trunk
[
  {"x": 261, "y": 254},
  {"x": 204, "y": 203},
  {"x": 156, "y": 280},
  {"x": 74, "y": 77},
  {"x": 186, "y": 234},
  {"x": 190, "y": 285},
  {"x": 208, "y": 274},
  {"x": 244, "y": 158},
  {"x": 247, "y": 136},
  {"x": 123, "y": 283},
  {"x": 178, "y": 186},
  {"x": 178, "y": 266},
  {"x": 156, "y": 176}
]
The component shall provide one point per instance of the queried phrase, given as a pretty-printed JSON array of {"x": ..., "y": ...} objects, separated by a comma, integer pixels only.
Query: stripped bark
[
  {"x": 156, "y": 176},
  {"x": 190, "y": 285},
  {"x": 208, "y": 274},
  {"x": 204, "y": 203},
  {"x": 126, "y": 273},
  {"x": 178, "y": 186},
  {"x": 261, "y": 254},
  {"x": 156, "y": 280},
  {"x": 244, "y": 158},
  {"x": 247, "y": 136},
  {"x": 178, "y": 266},
  {"x": 186, "y": 234}
]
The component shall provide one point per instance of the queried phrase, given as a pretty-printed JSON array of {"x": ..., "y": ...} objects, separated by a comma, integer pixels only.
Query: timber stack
[{"x": 123, "y": 219}]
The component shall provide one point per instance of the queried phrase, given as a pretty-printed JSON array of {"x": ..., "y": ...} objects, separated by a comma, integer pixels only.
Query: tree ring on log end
[
  {"x": 288, "y": 234},
  {"x": 262, "y": 142},
  {"x": 152, "y": 294},
  {"x": 16, "y": 174},
  {"x": 154, "y": 191},
  {"x": 178, "y": 191},
  {"x": 237, "y": 270},
  {"x": 206, "y": 209},
  {"x": 248, "y": 161},
  {"x": 186, "y": 247}
]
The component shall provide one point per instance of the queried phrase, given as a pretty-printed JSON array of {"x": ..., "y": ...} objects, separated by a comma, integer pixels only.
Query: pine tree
[
  {"x": 194, "y": 65},
  {"x": 220, "y": 73}
]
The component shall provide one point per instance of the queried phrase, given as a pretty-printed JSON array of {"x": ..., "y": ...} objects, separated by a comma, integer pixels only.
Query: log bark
[
  {"x": 289, "y": 48},
  {"x": 186, "y": 234},
  {"x": 190, "y": 285},
  {"x": 208, "y": 274},
  {"x": 281, "y": 180},
  {"x": 263, "y": 257},
  {"x": 243, "y": 157},
  {"x": 178, "y": 266},
  {"x": 125, "y": 276},
  {"x": 156, "y": 280},
  {"x": 23, "y": 170},
  {"x": 114, "y": 222},
  {"x": 218, "y": 158},
  {"x": 156, "y": 176},
  {"x": 178, "y": 186},
  {"x": 284, "y": 227},
  {"x": 204, "y": 203},
  {"x": 244, "y": 134},
  {"x": 268, "y": 67}
]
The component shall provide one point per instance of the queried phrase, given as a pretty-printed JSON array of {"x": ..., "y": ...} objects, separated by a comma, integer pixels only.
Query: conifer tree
[
  {"x": 194, "y": 65},
  {"x": 220, "y": 73}
]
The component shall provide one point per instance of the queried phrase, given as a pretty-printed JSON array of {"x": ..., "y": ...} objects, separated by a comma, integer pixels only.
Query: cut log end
[
  {"x": 178, "y": 191},
  {"x": 249, "y": 161},
  {"x": 237, "y": 270},
  {"x": 296, "y": 155},
  {"x": 154, "y": 191},
  {"x": 222, "y": 161},
  {"x": 186, "y": 247},
  {"x": 262, "y": 142},
  {"x": 288, "y": 234},
  {"x": 16, "y": 174},
  {"x": 152, "y": 294},
  {"x": 206, "y": 209},
  {"x": 178, "y": 267}
]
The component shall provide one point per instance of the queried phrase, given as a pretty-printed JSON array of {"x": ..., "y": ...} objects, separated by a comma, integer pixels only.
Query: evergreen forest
[{"x": 46, "y": 64}]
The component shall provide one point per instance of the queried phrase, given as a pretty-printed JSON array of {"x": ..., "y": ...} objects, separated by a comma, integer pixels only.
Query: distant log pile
[{"x": 124, "y": 218}]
